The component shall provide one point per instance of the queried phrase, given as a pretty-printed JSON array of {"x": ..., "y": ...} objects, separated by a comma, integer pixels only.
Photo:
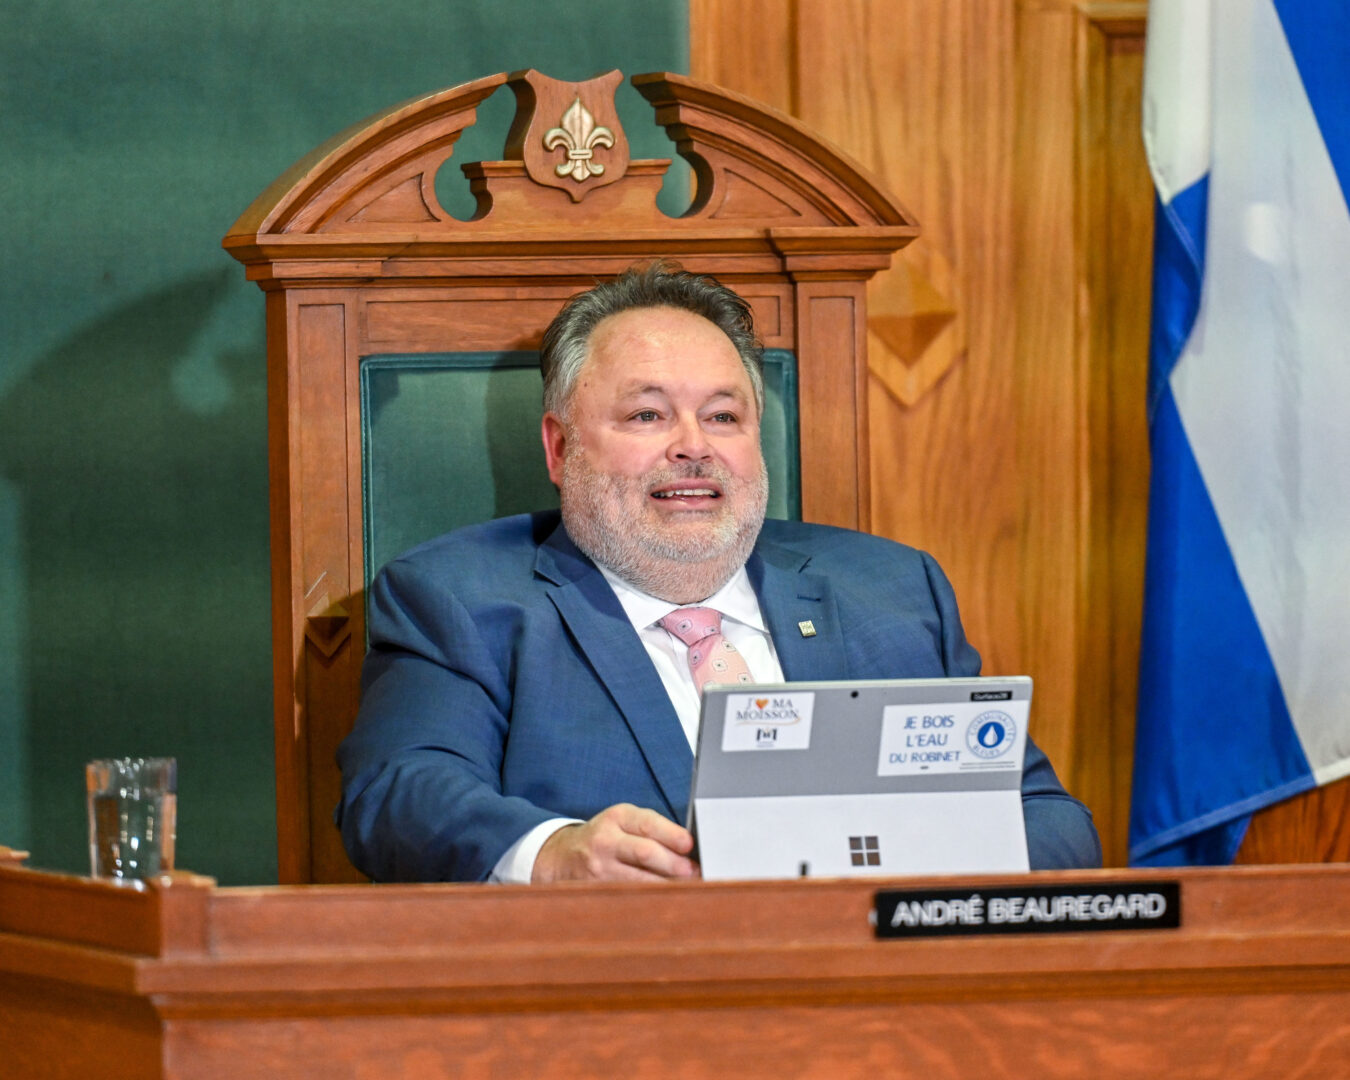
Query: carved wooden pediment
[{"x": 763, "y": 183}]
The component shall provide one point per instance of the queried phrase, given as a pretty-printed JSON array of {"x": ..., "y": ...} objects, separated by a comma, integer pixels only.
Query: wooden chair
[{"x": 381, "y": 307}]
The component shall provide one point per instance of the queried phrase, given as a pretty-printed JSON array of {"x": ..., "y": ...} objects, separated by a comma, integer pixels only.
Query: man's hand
[{"x": 621, "y": 843}]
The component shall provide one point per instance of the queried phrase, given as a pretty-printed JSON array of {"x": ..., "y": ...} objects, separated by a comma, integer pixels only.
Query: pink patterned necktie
[{"x": 712, "y": 658}]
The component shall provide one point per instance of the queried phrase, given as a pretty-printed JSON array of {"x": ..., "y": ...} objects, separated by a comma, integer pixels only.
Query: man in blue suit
[{"x": 528, "y": 716}]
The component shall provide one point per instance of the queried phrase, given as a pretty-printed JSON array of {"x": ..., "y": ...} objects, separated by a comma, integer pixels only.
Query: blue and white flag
[{"x": 1244, "y": 688}]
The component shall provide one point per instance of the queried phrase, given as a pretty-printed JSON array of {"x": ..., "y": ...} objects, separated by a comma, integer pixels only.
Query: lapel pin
[{"x": 807, "y": 627}]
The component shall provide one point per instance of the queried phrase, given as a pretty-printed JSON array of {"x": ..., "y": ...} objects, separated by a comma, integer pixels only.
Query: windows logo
[{"x": 864, "y": 851}]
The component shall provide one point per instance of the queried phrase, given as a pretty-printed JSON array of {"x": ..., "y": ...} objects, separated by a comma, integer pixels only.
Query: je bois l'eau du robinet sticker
[
  {"x": 976, "y": 736},
  {"x": 774, "y": 721}
]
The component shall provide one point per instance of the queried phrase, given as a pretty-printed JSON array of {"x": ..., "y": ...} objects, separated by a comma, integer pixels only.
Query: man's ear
[{"x": 555, "y": 446}]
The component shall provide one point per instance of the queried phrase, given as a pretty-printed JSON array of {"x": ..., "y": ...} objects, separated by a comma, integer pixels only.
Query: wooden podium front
[{"x": 781, "y": 979}]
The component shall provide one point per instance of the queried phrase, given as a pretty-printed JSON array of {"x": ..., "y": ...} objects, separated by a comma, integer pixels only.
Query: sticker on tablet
[
  {"x": 775, "y": 721},
  {"x": 918, "y": 740}
]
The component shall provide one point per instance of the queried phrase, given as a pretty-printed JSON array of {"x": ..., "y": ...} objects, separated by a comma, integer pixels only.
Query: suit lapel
[
  {"x": 790, "y": 595},
  {"x": 596, "y": 620}
]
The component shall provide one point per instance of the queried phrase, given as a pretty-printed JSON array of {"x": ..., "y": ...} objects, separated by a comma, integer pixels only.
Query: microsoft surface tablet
[{"x": 887, "y": 777}]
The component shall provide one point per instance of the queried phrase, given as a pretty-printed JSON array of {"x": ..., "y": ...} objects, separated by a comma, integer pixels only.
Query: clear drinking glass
[{"x": 133, "y": 816}]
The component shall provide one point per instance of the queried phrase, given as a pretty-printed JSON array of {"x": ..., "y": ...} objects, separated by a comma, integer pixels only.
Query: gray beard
[{"x": 603, "y": 516}]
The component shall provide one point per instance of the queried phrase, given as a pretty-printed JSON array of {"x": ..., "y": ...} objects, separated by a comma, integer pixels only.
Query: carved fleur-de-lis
[{"x": 580, "y": 135}]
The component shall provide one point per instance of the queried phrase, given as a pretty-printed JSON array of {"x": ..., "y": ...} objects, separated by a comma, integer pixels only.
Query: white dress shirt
[{"x": 742, "y": 625}]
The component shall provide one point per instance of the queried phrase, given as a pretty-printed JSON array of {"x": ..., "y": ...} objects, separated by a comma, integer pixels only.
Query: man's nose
[{"x": 689, "y": 442}]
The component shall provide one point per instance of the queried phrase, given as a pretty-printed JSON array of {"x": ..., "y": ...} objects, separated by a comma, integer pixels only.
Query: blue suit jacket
[{"x": 505, "y": 686}]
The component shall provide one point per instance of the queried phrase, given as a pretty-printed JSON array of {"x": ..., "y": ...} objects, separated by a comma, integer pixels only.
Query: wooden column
[{"x": 831, "y": 325}]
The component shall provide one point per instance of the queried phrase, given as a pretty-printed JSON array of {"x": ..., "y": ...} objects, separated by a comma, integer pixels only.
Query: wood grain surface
[{"x": 766, "y": 979}]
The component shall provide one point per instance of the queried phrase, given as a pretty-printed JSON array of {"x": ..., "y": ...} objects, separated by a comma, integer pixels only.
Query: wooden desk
[{"x": 778, "y": 980}]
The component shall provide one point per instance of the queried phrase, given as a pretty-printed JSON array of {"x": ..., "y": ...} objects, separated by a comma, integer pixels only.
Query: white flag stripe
[
  {"x": 1263, "y": 387},
  {"x": 1176, "y": 104}
]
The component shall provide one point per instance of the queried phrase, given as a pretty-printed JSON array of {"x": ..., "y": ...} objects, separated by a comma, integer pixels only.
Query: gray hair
[{"x": 659, "y": 284}]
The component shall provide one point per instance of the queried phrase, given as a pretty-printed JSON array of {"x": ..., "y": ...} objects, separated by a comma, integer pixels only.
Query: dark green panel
[
  {"x": 448, "y": 440},
  {"x": 134, "y": 605},
  {"x": 451, "y": 439},
  {"x": 780, "y": 435}
]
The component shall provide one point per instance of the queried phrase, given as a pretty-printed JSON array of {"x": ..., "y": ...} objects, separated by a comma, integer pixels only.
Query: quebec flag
[{"x": 1244, "y": 688}]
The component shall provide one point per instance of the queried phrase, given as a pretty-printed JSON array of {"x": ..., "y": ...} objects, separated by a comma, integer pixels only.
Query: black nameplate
[
  {"x": 1031, "y": 909},
  {"x": 991, "y": 695}
]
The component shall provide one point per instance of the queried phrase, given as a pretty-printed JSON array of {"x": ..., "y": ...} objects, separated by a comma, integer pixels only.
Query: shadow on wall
[{"x": 136, "y": 453}]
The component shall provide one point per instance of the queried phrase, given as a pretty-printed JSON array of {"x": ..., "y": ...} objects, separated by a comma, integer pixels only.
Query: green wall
[{"x": 133, "y": 463}]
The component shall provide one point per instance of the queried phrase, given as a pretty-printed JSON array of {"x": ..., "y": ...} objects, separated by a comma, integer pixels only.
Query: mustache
[{"x": 693, "y": 470}]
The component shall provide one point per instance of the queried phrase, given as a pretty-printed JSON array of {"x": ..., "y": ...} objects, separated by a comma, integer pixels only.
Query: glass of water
[{"x": 133, "y": 816}]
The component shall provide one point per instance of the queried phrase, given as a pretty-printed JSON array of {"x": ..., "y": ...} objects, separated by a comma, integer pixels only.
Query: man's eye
[
  {"x": 646, "y": 415},
  {"x": 723, "y": 418}
]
